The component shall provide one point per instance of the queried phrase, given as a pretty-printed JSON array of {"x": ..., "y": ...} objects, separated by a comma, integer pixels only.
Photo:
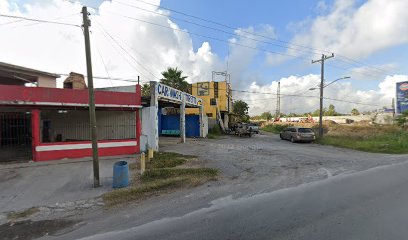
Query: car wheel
[
  {"x": 281, "y": 137},
  {"x": 292, "y": 139}
]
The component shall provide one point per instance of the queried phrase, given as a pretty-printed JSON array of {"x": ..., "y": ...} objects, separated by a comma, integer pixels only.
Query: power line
[
  {"x": 127, "y": 52},
  {"x": 254, "y": 34},
  {"x": 213, "y": 38},
  {"x": 39, "y": 20},
  {"x": 103, "y": 62},
  {"x": 216, "y": 29}
]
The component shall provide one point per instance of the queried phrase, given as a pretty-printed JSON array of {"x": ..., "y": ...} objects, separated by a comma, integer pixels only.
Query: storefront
[
  {"x": 164, "y": 114},
  {"x": 40, "y": 124}
]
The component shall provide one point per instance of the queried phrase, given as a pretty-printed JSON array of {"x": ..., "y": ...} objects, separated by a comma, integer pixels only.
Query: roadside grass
[
  {"x": 22, "y": 214},
  {"x": 165, "y": 173},
  {"x": 161, "y": 176},
  {"x": 377, "y": 139},
  {"x": 164, "y": 160},
  {"x": 214, "y": 132}
]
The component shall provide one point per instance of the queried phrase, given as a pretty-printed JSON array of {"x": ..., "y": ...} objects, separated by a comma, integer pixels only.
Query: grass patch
[
  {"x": 168, "y": 159},
  {"x": 377, "y": 139},
  {"x": 161, "y": 176},
  {"x": 23, "y": 214},
  {"x": 154, "y": 174},
  {"x": 275, "y": 128},
  {"x": 156, "y": 182},
  {"x": 164, "y": 160}
]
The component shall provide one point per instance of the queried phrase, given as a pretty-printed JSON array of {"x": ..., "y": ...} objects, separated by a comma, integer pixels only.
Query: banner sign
[
  {"x": 402, "y": 97},
  {"x": 164, "y": 91}
]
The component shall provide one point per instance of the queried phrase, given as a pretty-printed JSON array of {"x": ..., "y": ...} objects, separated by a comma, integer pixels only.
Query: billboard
[{"x": 402, "y": 97}]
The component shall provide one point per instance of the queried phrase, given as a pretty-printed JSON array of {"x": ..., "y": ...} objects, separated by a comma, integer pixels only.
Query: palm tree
[{"x": 172, "y": 77}]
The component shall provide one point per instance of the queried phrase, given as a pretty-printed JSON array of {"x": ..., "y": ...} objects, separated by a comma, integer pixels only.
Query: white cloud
[
  {"x": 309, "y": 101},
  {"x": 358, "y": 32},
  {"x": 60, "y": 49}
]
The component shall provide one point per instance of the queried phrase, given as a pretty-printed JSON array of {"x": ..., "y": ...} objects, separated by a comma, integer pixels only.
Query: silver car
[{"x": 298, "y": 134}]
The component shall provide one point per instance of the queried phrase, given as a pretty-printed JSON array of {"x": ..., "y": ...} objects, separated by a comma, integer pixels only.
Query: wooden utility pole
[
  {"x": 92, "y": 114},
  {"x": 324, "y": 58}
]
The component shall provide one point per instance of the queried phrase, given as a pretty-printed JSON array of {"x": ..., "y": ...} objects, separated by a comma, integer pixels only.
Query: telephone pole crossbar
[{"x": 322, "y": 60}]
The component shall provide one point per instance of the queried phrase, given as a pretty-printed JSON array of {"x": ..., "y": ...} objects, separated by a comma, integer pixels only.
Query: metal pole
[{"x": 92, "y": 114}]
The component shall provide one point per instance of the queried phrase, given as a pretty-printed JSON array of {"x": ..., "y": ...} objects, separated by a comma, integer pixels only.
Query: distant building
[
  {"x": 17, "y": 75},
  {"x": 75, "y": 81},
  {"x": 214, "y": 95}
]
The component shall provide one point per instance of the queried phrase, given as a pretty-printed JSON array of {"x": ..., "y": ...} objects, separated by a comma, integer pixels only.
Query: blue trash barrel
[{"x": 120, "y": 174}]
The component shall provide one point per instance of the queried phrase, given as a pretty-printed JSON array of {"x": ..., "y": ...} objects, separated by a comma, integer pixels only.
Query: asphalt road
[
  {"x": 368, "y": 205},
  {"x": 269, "y": 189}
]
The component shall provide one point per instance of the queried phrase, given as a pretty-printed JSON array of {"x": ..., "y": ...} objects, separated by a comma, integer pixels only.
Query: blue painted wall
[{"x": 172, "y": 122}]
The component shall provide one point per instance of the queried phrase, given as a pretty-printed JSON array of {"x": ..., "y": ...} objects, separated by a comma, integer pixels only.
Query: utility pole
[
  {"x": 324, "y": 58},
  {"x": 92, "y": 114},
  {"x": 277, "y": 113}
]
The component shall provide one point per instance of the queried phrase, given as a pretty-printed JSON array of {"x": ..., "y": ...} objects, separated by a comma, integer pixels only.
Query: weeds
[
  {"x": 23, "y": 214},
  {"x": 161, "y": 176},
  {"x": 378, "y": 139}
]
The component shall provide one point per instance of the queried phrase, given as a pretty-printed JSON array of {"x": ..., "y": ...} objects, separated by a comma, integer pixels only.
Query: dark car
[{"x": 298, "y": 134}]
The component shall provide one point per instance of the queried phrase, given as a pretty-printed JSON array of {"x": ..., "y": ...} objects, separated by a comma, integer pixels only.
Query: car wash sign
[
  {"x": 172, "y": 94},
  {"x": 402, "y": 97}
]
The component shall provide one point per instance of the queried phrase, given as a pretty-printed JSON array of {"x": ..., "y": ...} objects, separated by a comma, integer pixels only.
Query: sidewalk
[{"x": 24, "y": 185}]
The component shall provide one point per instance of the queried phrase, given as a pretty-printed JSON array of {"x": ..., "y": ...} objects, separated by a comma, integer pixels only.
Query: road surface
[{"x": 364, "y": 204}]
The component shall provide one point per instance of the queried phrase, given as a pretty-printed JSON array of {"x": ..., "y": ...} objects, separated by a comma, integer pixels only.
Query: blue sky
[
  {"x": 369, "y": 39},
  {"x": 282, "y": 16}
]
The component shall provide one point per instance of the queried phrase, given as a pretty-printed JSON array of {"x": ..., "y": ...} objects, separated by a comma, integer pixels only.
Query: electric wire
[
  {"x": 254, "y": 34},
  {"x": 39, "y": 20}
]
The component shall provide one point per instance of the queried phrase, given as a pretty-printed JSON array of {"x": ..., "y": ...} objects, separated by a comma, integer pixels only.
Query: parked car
[
  {"x": 242, "y": 129},
  {"x": 298, "y": 134},
  {"x": 253, "y": 127}
]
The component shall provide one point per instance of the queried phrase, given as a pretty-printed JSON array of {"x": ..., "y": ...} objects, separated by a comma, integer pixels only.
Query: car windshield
[{"x": 305, "y": 130}]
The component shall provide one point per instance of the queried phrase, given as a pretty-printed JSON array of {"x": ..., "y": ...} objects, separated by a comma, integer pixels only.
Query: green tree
[
  {"x": 241, "y": 109},
  {"x": 146, "y": 89},
  {"x": 266, "y": 115},
  {"x": 355, "y": 112},
  {"x": 402, "y": 119},
  {"x": 331, "y": 111},
  {"x": 173, "y": 77}
]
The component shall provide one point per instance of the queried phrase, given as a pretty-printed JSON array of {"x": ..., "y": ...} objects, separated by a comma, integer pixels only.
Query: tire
[
  {"x": 281, "y": 137},
  {"x": 292, "y": 139}
]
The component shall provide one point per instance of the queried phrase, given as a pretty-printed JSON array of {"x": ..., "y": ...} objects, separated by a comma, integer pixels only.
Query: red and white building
[{"x": 47, "y": 123}]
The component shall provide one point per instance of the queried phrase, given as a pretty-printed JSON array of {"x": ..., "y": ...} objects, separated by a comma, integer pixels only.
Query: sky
[{"x": 259, "y": 43}]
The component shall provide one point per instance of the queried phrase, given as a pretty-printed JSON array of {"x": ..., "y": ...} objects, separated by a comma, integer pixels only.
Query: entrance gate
[{"x": 15, "y": 136}]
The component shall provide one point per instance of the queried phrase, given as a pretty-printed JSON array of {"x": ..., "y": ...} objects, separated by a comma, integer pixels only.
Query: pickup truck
[{"x": 253, "y": 127}]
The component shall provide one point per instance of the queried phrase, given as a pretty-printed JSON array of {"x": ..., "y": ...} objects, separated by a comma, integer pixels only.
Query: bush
[{"x": 216, "y": 130}]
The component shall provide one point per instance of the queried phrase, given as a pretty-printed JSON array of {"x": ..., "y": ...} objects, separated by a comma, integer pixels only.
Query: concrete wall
[
  {"x": 74, "y": 125},
  {"x": 45, "y": 81},
  {"x": 147, "y": 138}
]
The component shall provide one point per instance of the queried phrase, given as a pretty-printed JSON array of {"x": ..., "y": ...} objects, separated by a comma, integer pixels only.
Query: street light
[
  {"x": 322, "y": 86},
  {"x": 329, "y": 83}
]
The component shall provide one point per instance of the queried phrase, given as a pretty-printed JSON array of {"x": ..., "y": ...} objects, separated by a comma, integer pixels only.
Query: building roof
[{"x": 10, "y": 67}]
